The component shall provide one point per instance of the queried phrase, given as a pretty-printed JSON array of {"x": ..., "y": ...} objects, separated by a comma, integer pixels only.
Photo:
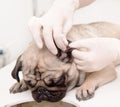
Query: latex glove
[
  {"x": 93, "y": 54},
  {"x": 54, "y": 25}
]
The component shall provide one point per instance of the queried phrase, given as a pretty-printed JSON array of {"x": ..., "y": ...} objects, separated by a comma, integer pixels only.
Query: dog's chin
[{"x": 42, "y": 94}]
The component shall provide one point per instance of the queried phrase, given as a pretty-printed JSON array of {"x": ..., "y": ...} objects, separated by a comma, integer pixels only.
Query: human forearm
[
  {"x": 71, "y": 4},
  {"x": 84, "y": 3}
]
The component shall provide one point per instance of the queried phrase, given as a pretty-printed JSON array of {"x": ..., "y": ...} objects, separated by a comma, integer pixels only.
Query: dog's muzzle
[{"x": 41, "y": 94}]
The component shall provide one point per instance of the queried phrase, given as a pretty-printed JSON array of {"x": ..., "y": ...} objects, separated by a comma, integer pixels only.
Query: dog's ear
[{"x": 17, "y": 69}]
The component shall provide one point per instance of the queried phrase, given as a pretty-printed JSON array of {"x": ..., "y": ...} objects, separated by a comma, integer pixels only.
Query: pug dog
[{"x": 50, "y": 76}]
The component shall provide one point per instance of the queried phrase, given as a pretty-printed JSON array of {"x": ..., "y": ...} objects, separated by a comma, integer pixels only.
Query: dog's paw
[
  {"x": 85, "y": 91},
  {"x": 18, "y": 87}
]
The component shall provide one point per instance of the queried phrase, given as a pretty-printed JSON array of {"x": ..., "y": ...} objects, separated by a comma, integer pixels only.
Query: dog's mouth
[{"x": 43, "y": 94}]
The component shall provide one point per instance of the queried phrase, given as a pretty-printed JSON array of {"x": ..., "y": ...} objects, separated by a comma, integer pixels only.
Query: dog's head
[{"x": 45, "y": 74}]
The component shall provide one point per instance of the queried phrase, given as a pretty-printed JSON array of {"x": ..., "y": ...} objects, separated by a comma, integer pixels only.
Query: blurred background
[{"x": 14, "y": 15}]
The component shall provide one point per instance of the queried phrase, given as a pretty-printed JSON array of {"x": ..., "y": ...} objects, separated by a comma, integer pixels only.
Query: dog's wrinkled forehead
[
  {"x": 49, "y": 61},
  {"x": 46, "y": 78}
]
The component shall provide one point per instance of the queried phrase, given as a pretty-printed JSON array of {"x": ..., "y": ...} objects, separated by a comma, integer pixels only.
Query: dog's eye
[
  {"x": 60, "y": 82},
  {"x": 30, "y": 83},
  {"x": 49, "y": 83}
]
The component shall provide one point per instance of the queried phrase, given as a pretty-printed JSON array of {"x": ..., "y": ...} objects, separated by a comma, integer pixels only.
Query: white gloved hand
[
  {"x": 93, "y": 54},
  {"x": 54, "y": 25}
]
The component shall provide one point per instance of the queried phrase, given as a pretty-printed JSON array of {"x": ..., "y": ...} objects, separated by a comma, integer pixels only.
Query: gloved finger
[
  {"x": 79, "y": 67},
  {"x": 67, "y": 26},
  {"x": 37, "y": 35},
  {"x": 36, "y": 31},
  {"x": 48, "y": 38},
  {"x": 83, "y": 68},
  {"x": 66, "y": 29},
  {"x": 64, "y": 39},
  {"x": 58, "y": 38},
  {"x": 84, "y": 43},
  {"x": 79, "y": 62},
  {"x": 81, "y": 55}
]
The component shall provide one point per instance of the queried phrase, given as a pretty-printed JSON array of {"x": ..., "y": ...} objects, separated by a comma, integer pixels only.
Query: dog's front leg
[
  {"x": 19, "y": 87},
  {"x": 95, "y": 80}
]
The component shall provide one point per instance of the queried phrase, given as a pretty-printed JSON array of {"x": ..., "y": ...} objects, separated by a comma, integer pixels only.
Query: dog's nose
[{"x": 41, "y": 90}]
